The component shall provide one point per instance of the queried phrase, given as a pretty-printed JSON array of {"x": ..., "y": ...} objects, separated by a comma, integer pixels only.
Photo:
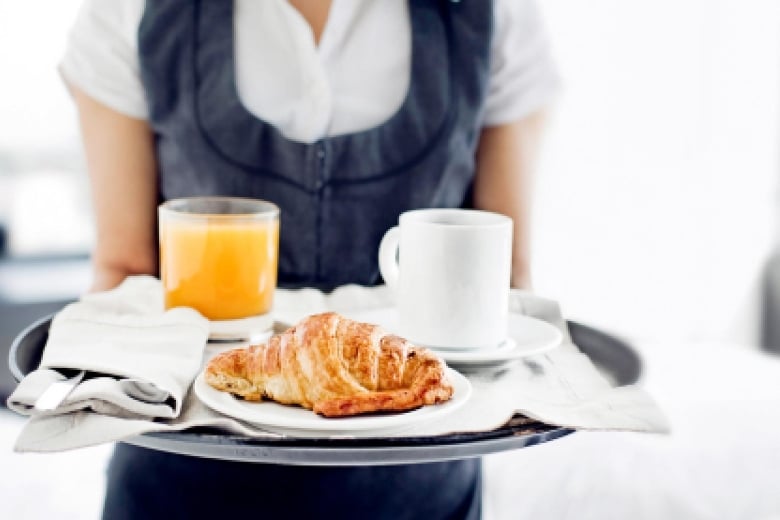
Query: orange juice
[{"x": 223, "y": 267}]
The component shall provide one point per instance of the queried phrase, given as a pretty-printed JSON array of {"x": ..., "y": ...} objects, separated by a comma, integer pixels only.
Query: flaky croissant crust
[{"x": 334, "y": 366}]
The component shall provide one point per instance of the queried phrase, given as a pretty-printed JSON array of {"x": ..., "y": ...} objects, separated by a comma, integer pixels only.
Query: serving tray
[{"x": 614, "y": 357}]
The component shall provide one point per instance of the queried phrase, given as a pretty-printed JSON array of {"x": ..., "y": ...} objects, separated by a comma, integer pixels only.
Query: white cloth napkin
[
  {"x": 139, "y": 359},
  {"x": 561, "y": 387}
]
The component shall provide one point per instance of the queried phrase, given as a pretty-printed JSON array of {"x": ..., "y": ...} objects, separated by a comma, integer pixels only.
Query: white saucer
[
  {"x": 254, "y": 329},
  {"x": 299, "y": 422},
  {"x": 526, "y": 336}
]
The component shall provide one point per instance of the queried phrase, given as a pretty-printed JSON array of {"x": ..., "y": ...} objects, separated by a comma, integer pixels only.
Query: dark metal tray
[{"x": 615, "y": 358}]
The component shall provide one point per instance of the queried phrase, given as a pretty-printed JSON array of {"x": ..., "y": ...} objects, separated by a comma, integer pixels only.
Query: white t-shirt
[{"x": 351, "y": 81}]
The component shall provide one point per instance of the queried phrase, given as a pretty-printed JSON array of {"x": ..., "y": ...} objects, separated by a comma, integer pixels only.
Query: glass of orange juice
[{"x": 219, "y": 255}]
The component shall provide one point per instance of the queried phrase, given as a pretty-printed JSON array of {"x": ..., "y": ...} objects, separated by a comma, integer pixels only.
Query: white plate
[
  {"x": 293, "y": 419},
  {"x": 526, "y": 336}
]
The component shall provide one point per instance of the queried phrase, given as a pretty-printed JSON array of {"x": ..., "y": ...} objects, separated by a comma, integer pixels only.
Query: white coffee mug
[{"x": 450, "y": 269}]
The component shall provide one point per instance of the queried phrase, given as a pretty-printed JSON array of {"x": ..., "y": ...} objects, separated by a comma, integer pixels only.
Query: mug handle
[{"x": 388, "y": 257}]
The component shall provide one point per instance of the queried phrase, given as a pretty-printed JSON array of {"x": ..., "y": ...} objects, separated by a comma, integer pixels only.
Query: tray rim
[
  {"x": 19, "y": 339},
  {"x": 264, "y": 451}
]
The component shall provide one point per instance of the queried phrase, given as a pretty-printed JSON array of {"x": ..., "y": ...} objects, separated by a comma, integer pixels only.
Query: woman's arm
[
  {"x": 123, "y": 175},
  {"x": 505, "y": 160}
]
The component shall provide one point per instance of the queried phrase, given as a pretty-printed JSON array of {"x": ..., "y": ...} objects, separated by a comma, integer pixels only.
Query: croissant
[{"x": 334, "y": 366}]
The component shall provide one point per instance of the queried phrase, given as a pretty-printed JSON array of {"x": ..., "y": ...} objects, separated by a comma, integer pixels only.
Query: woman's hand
[
  {"x": 505, "y": 159},
  {"x": 123, "y": 176}
]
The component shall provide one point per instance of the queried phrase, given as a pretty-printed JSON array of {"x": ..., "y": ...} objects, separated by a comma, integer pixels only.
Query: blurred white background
[
  {"x": 655, "y": 207},
  {"x": 656, "y": 202}
]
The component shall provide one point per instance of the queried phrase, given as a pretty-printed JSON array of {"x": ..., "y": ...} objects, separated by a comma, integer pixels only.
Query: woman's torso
[
  {"x": 345, "y": 147},
  {"x": 340, "y": 193}
]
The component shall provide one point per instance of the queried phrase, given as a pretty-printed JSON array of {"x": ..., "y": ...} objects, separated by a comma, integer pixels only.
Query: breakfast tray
[{"x": 612, "y": 356}]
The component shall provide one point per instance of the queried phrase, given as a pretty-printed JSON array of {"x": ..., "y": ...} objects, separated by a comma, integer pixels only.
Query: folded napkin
[
  {"x": 561, "y": 387},
  {"x": 139, "y": 359}
]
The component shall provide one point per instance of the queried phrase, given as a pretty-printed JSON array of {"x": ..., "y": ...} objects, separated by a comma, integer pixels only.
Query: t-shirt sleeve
[
  {"x": 101, "y": 56},
  {"x": 523, "y": 76}
]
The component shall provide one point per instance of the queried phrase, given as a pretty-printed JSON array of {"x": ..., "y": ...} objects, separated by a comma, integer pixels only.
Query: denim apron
[{"x": 337, "y": 198}]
